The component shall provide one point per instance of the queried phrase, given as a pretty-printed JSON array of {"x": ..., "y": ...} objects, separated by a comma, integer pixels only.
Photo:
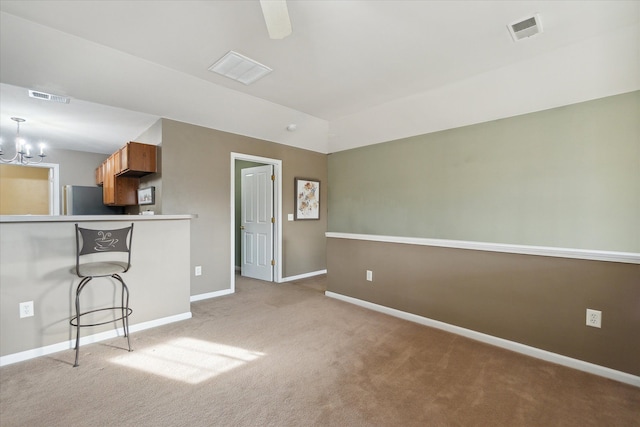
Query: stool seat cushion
[{"x": 99, "y": 269}]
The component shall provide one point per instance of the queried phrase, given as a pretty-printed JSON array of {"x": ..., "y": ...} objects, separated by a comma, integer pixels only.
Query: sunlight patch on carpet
[{"x": 187, "y": 359}]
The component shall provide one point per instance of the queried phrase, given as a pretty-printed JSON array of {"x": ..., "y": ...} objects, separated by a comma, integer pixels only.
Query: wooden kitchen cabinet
[
  {"x": 117, "y": 164},
  {"x": 118, "y": 190},
  {"x": 120, "y": 174},
  {"x": 108, "y": 182},
  {"x": 136, "y": 159},
  {"x": 100, "y": 175},
  {"x": 125, "y": 191}
]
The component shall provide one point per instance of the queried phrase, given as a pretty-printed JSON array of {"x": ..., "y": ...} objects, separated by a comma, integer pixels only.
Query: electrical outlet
[
  {"x": 198, "y": 271},
  {"x": 594, "y": 318},
  {"x": 369, "y": 275},
  {"x": 26, "y": 309}
]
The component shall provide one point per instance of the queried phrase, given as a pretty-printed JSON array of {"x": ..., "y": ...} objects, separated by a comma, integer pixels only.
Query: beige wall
[
  {"x": 76, "y": 167},
  {"x": 196, "y": 179},
  {"x": 36, "y": 259}
]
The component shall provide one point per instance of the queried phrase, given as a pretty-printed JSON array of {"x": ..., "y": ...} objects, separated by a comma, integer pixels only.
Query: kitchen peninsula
[{"x": 37, "y": 255}]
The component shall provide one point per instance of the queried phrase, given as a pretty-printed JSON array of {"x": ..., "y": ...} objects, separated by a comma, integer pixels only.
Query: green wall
[{"x": 565, "y": 177}]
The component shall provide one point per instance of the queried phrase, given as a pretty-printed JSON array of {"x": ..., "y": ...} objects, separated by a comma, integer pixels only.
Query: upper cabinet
[
  {"x": 136, "y": 159},
  {"x": 120, "y": 174},
  {"x": 100, "y": 174}
]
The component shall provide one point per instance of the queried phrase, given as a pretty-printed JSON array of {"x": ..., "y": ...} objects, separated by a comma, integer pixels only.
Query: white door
[{"x": 256, "y": 223}]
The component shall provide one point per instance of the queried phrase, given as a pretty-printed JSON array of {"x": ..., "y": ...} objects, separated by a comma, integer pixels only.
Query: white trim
[
  {"x": 498, "y": 342},
  {"x": 277, "y": 171},
  {"x": 54, "y": 186},
  {"x": 303, "y": 276},
  {"x": 210, "y": 295},
  {"x": 88, "y": 218},
  {"x": 101, "y": 336},
  {"x": 587, "y": 254}
]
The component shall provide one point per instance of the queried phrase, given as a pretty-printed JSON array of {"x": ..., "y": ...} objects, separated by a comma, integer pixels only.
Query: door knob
[{"x": 242, "y": 227}]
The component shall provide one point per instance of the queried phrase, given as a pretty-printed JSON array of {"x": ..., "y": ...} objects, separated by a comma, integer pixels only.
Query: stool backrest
[{"x": 100, "y": 241}]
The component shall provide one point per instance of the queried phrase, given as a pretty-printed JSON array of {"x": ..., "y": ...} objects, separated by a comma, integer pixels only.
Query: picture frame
[
  {"x": 147, "y": 196},
  {"x": 307, "y": 199}
]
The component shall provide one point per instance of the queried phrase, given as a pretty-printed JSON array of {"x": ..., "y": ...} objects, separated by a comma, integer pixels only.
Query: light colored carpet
[{"x": 286, "y": 355}]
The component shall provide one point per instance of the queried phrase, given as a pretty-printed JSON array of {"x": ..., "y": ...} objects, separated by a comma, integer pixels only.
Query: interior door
[{"x": 257, "y": 222}]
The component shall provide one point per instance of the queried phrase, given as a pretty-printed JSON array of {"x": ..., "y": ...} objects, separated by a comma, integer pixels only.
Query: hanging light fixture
[{"x": 23, "y": 153}]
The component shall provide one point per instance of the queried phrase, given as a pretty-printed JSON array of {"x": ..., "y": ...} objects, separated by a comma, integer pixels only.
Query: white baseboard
[
  {"x": 66, "y": 345},
  {"x": 303, "y": 276},
  {"x": 209, "y": 295},
  {"x": 498, "y": 342}
]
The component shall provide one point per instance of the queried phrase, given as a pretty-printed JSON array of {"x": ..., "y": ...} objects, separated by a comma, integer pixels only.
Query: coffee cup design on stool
[{"x": 104, "y": 242}]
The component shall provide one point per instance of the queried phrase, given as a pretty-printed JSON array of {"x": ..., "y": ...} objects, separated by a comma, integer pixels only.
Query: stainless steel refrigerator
[{"x": 84, "y": 200}]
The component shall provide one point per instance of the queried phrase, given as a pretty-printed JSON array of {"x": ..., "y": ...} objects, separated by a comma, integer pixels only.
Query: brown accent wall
[
  {"x": 534, "y": 300},
  {"x": 196, "y": 179}
]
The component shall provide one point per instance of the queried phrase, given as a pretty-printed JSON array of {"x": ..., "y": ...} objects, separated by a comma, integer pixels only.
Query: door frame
[
  {"x": 256, "y": 184},
  {"x": 277, "y": 204}
]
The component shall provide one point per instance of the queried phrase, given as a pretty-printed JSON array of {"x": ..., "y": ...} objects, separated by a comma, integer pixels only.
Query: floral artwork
[{"x": 307, "y": 198}]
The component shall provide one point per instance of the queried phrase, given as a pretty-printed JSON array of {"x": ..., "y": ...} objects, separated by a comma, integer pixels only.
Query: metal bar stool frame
[{"x": 90, "y": 241}]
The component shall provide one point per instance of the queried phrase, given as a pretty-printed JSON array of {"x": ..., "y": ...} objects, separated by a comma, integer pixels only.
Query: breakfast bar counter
[{"x": 37, "y": 255}]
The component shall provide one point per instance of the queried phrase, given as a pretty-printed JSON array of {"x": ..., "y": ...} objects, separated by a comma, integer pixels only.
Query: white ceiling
[{"x": 352, "y": 73}]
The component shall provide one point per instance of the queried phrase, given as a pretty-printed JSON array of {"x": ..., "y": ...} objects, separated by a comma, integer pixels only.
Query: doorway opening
[
  {"x": 30, "y": 189},
  {"x": 237, "y": 160}
]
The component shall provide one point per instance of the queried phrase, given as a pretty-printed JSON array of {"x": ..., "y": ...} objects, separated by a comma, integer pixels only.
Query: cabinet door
[
  {"x": 108, "y": 182},
  {"x": 117, "y": 162},
  {"x": 100, "y": 175},
  {"x": 124, "y": 158},
  {"x": 126, "y": 191},
  {"x": 118, "y": 190},
  {"x": 138, "y": 159}
]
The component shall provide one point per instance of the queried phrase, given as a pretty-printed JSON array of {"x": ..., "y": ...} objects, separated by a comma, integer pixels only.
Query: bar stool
[{"x": 97, "y": 256}]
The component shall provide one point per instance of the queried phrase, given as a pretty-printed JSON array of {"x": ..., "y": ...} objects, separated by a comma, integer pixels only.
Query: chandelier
[{"x": 23, "y": 153}]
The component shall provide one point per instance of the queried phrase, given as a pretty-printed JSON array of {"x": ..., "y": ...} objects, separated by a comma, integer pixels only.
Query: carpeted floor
[{"x": 286, "y": 355}]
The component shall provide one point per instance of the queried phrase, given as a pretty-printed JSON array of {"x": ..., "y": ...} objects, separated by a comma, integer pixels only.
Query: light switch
[{"x": 290, "y": 217}]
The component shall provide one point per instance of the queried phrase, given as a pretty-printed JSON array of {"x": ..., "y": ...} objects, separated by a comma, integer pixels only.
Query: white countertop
[{"x": 85, "y": 218}]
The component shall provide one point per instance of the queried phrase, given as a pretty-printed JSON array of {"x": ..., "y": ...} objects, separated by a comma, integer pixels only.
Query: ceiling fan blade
[{"x": 276, "y": 16}]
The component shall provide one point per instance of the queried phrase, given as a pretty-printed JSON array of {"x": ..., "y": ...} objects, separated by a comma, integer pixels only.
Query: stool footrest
[{"x": 81, "y": 325}]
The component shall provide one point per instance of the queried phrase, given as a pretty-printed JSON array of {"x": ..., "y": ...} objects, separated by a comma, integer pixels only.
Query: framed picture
[
  {"x": 147, "y": 196},
  {"x": 307, "y": 198}
]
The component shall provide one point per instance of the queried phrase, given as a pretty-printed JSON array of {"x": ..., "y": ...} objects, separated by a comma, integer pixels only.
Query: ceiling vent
[
  {"x": 48, "y": 97},
  {"x": 240, "y": 68},
  {"x": 525, "y": 28}
]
